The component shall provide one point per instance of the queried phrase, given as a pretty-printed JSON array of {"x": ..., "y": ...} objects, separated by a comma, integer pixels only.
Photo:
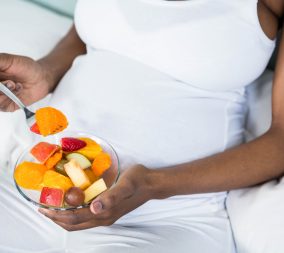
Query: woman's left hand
[{"x": 131, "y": 191}]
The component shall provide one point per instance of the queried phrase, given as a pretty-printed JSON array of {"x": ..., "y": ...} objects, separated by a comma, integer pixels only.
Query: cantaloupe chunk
[
  {"x": 101, "y": 163},
  {"x": 91, "y": 150},
  {"x": 53, "y": 179},
  {"x": 29, "y": 175},
  {"x": 91, "y": 175},
  {"x": 54, "y": 159}
]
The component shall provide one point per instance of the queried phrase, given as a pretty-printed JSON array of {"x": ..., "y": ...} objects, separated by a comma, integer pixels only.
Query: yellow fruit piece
[
  {"x": 77, "y": 174},
  {"x": 94, "y": 190},
  {"x": 91, "y": 150},
  {"x": 101, "y": 163},
  {"x": 29, "y": 175},
  {"x": 54, "y": 179},
  {"x": 91, "y": 175},
  {"x": 50, "y": 121}
]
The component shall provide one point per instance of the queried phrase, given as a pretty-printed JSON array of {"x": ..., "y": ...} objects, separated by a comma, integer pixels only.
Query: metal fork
[{"x": 30, "y": 116}]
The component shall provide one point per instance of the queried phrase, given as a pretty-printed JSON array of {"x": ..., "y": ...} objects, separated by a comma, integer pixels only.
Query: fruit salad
[{"x": 66, "y": 175}]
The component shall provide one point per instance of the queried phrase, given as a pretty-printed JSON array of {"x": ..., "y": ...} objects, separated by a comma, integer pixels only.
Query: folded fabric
[{"x": 259, "y": 95}]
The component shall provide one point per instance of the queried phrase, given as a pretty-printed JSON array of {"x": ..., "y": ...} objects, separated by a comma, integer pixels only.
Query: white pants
[{"x": 172, "y": 225}]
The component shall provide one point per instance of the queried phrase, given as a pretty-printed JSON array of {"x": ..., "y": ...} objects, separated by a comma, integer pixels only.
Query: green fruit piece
[
  {"x": 83, "y": 162},
  {"x": 59, "y": 167}
]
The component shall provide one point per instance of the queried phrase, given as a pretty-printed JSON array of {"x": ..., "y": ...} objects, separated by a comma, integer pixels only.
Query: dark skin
[{"x": 251, "y": 163}]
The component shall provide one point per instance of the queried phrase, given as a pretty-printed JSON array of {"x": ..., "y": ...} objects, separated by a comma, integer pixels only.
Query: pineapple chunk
[
  {"x": 95, "y": 189},
  {"x": 77, "y": 174}
]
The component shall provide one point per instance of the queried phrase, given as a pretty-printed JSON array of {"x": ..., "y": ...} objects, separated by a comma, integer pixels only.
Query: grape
[{"x": 74, "y": 196}]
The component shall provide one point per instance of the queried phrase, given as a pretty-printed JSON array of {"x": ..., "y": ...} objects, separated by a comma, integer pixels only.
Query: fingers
[
  {"x": 80, "y": 218},
  {"x": 6, "y": 104},
  {"x": 72, "y": 217},
  {"x": 108, "y": 207},
  {"x": 76, "y": 219},
  {"x": 109, "y": 199},
  {"x": 77, "y": 227},
  {"x": 13, "y": 86},
  {"x": 82, "y": 226},
  {"x": 9, "y": 84}
]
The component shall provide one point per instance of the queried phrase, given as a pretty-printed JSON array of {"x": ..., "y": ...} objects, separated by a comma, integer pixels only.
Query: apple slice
[
  {"x": 77, "y": 174},
  {"x": 43, "y": 150},
  {"x": 51, "y": 197},
  {"x": 80, "y": 159},
  {"x": 94, "y": 190}
]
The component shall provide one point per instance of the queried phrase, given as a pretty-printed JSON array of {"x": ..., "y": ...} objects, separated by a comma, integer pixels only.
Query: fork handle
[{"x": 12, "y": 96}]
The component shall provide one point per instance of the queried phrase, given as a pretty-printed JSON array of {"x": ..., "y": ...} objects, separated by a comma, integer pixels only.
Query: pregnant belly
[{"x": 146, "y": 115}]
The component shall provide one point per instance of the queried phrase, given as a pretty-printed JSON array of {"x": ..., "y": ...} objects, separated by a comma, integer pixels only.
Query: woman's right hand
[{"x": 30, "y": 80}]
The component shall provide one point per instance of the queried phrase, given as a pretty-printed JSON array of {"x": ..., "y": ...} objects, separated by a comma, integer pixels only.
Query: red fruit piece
[
  {"x": 72, "y": 144},
  {"x": 35, "y": 129},
  {"x": 51, "y": 196},
  {"x": 43, "y": 150}
]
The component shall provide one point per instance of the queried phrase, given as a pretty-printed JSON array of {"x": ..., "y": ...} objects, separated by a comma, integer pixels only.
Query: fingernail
[
  {"x": 10, "y": 85},
  {"x": 18, "y": 86},
  {"x": 97, "y": 207}
]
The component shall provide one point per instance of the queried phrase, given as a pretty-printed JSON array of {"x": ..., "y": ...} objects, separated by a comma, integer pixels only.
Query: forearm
[
  {"x": 245, "y": 165},
  {"x": 60, "y": 59}
]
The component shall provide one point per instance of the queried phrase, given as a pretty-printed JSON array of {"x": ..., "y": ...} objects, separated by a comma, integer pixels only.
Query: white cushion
[
  {"x": 256, "y": 213},
  {"x": 26, "y": 29},
  {"x": 63, "y": 6},
  {"x": 259, "y": 105},
  {"x": 29, "y": 29}
]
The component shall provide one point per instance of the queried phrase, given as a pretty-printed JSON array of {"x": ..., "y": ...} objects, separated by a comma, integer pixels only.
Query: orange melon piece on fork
[{"x": 50, "y": 121}]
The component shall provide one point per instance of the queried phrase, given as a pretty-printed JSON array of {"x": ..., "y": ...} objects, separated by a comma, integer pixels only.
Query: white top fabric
[
  {"x": 95, "y": 92},
  {"x": 163, "y": 81},
  {"x": 214, "y": 45}
]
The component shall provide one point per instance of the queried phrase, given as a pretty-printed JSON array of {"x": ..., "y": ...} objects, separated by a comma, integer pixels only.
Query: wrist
[
  {"x": 158, "y": 184},
  {"x": 49, "y": 73},
  {"x": 52, "y": 71}
]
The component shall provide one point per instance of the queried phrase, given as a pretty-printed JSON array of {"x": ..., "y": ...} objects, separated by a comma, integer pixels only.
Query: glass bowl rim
[{"x": 78, "y": 133}]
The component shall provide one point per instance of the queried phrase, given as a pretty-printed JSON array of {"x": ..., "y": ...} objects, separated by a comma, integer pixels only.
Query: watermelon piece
[
  {"x": 43, "y": 150},
  {"x": 51, "y": 197}
]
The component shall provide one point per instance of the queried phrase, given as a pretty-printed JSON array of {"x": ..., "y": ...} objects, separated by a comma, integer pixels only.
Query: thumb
[{"x": 110, "y": 198}]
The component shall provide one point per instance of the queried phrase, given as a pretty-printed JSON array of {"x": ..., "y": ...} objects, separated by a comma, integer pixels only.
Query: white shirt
[
  {"x": 163, "y": 81},
  {"x": 214, "y": 45}
]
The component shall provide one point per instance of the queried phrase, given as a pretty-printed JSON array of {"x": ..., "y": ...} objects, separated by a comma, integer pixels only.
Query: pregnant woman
[{"x": 164, "y": 82}]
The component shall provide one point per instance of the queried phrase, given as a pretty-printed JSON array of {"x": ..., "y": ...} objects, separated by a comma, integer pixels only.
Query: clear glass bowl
[{"x": 110, "y": 176}]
